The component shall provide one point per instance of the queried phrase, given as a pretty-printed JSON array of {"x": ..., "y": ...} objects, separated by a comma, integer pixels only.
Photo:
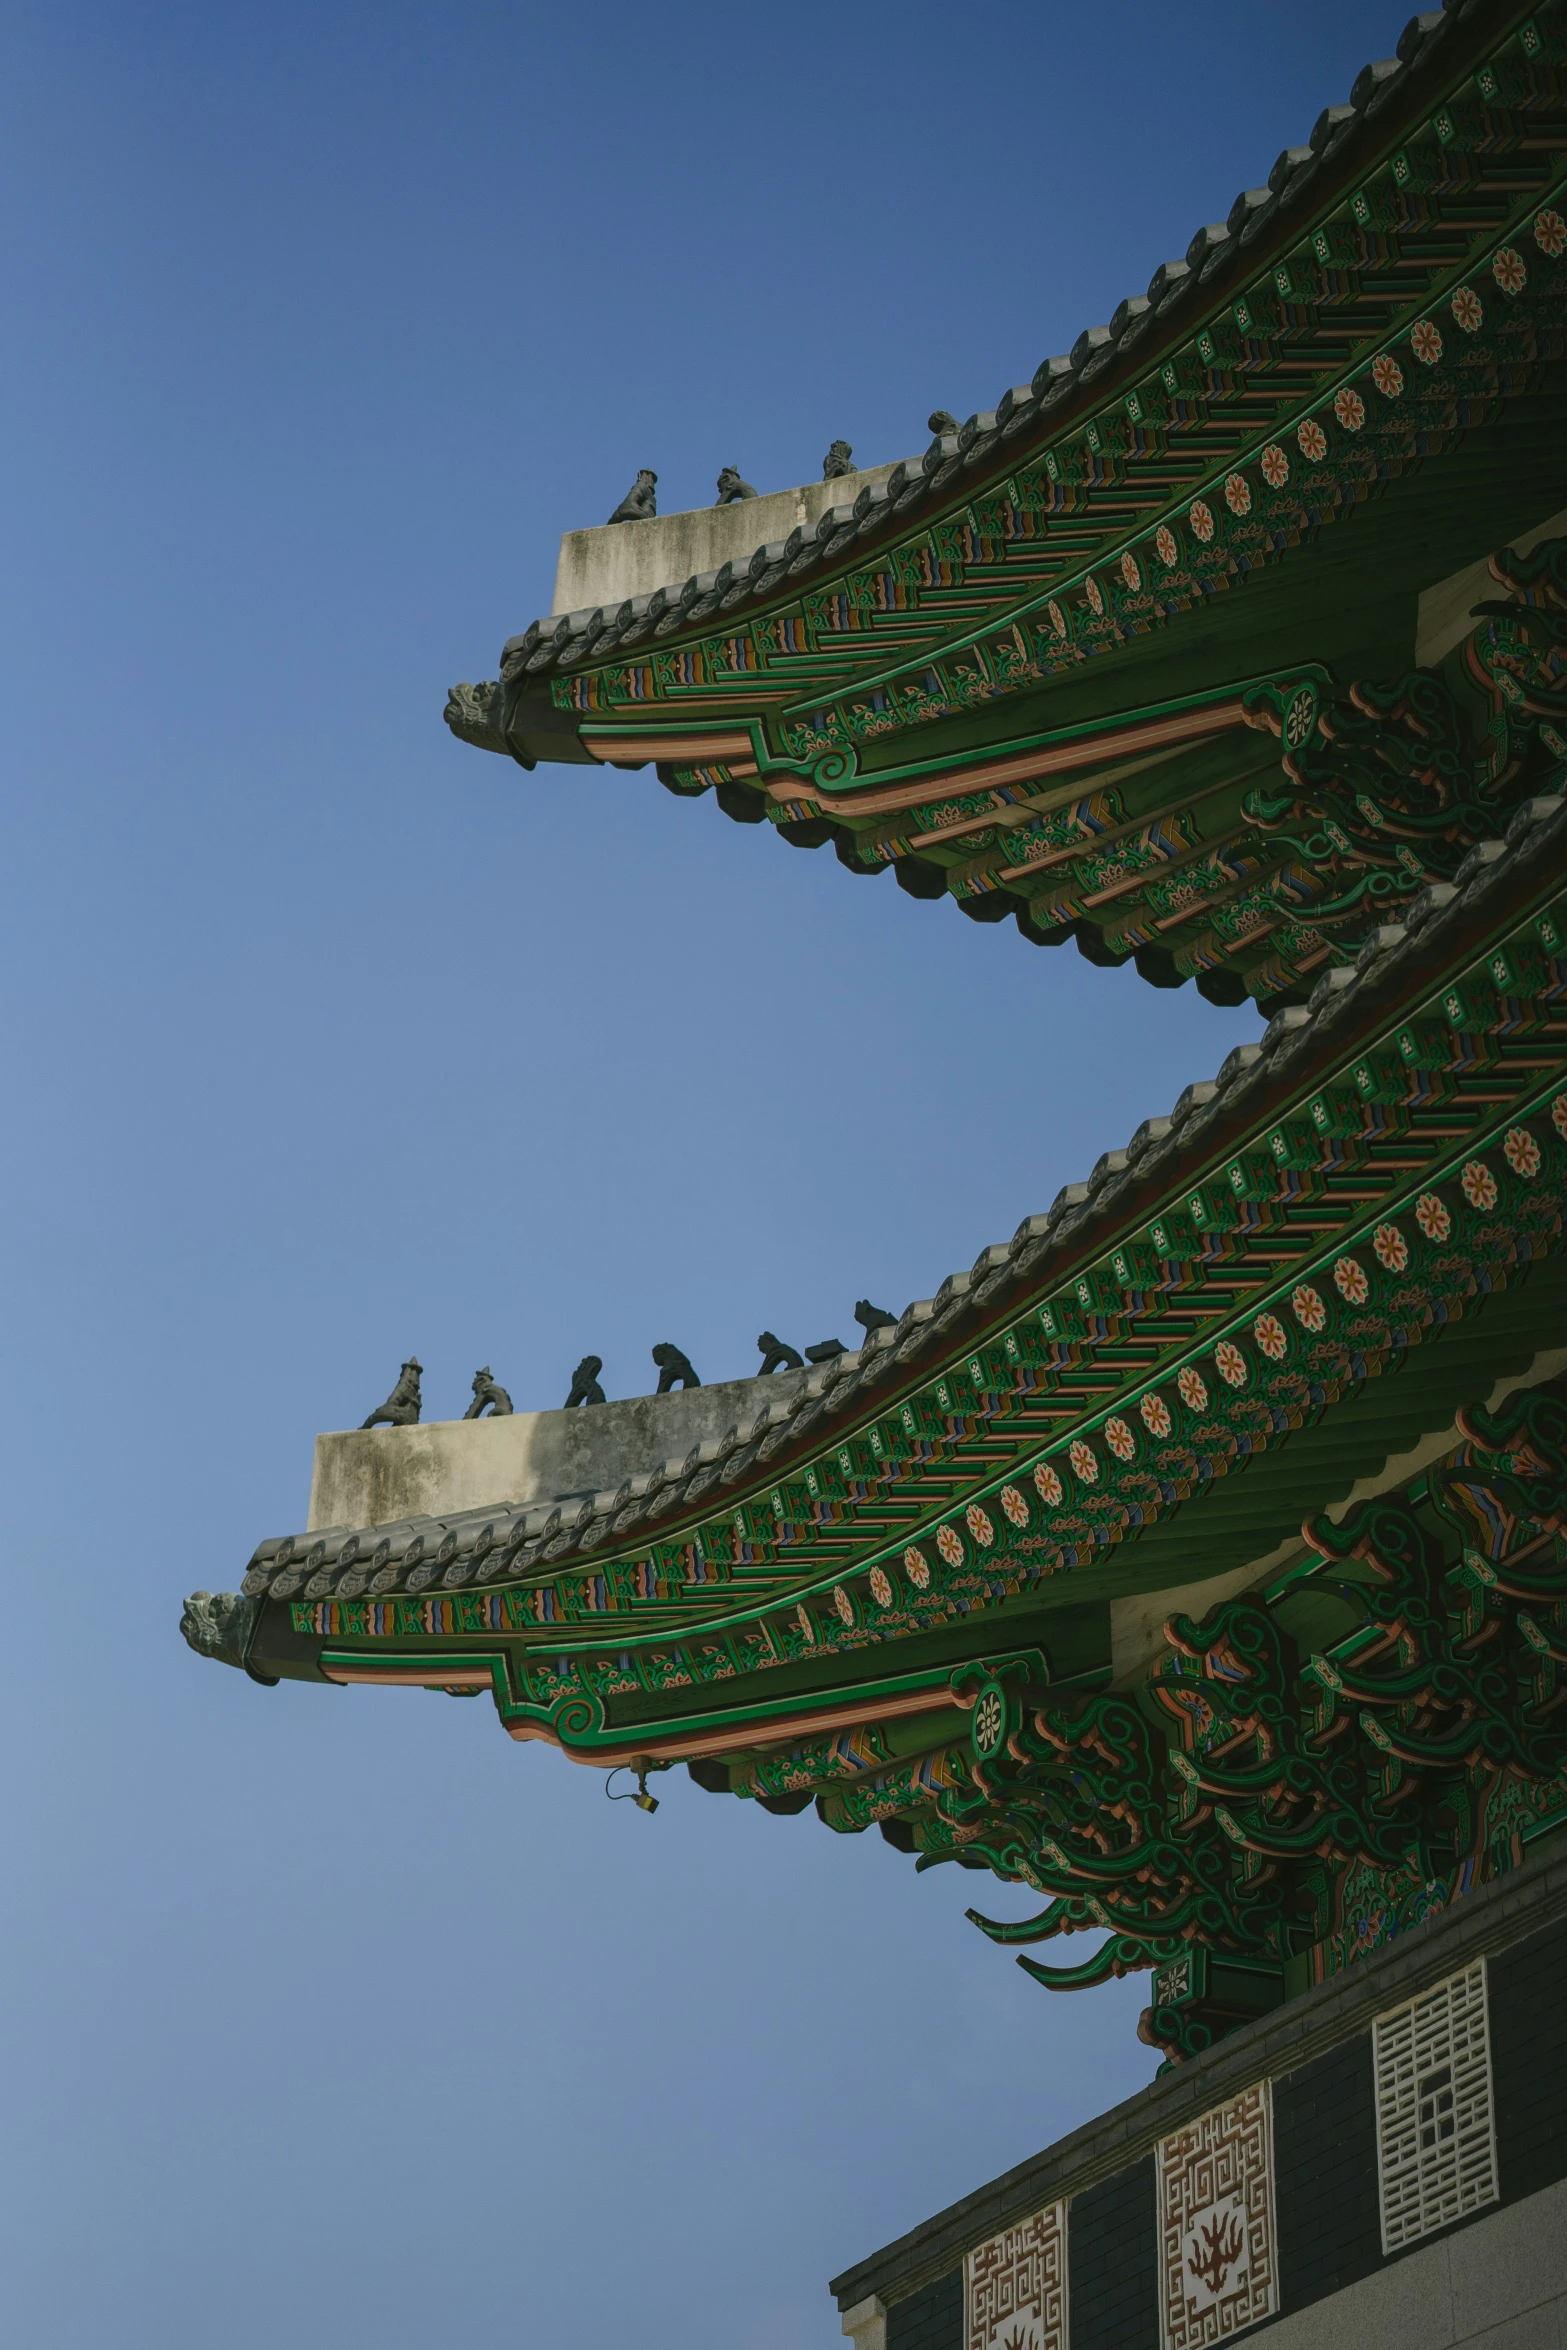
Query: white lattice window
[{"x": 1436, "y": 2138}]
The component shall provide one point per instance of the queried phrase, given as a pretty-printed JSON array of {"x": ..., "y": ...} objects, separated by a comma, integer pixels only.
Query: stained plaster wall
[
  {"x": 374, "y": 1476},
  {"x": 607, "y": 565}
]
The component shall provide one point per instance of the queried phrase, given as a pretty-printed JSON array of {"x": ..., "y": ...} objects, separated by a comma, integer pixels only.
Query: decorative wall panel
[
  {"x": 1015, "y": 2286},
  {"x": 1436, "y": 2133},
  {"x": 1218, "y": 2234}
]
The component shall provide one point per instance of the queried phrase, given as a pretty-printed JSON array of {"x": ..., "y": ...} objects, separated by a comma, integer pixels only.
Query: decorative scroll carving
[{"x": 1286, "y": 1786}]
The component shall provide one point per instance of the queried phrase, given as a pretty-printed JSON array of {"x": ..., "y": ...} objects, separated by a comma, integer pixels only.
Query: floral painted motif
[
  {"x": 1432, "y": 1217},
  {"x": 1085, "y": 1465},
  {"x": 1230, "y": 1363},
  {"x": 1193, "y": 1389},
  {"x": 881, "y": 1587},
  {"x": 917, "y": 1567},
  {"x": 1057, "y": 618},
  {"x": 1269, "y": 1332},
  {"x": 1047, "y": 1485},
  {"x": 1479, "y": 1184},
  {"x": 1156, "y": 1412},
  {"x": 950, "y": 1544},
  {"x": 1308, "y": 1308},
  {"x": 1349, "y": 408},
  {"x": 1237, "y": 493},
  {"x": 1559, "y": 1115},
  {"x": 1387, "y": 375},
  {"x": 1391, "y": 1247},
  {"x": 1468, "y": 310},
  {"x": 1201, "y": 520},
  {"x": 1164, "y": 540},
  {"x": 1522, "y": 1152},
  {"x": 1351, "y": 1281},
  {"x": 1095, "y": 595},
  {"x": 1425, "y": 341},
  {"x": 1120, "y": 1439},
  {"x": 843, "y": 1603},
  {"x": 1131, "y": 572},
  {"x": 1014, "y": 1507},
  {"x": 1312, "y": 441},
  {"x": 1550, "y": 233},
  {"x": 1510, "y": 270},
  {"x": 1275, "y": 466},
  {"x": 979, "y": 1525}
]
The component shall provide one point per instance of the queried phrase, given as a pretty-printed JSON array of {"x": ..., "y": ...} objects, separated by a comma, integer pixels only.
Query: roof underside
[
  {"x": 1379, "y": 1186},
  {"x": 1013, "y": 674}
]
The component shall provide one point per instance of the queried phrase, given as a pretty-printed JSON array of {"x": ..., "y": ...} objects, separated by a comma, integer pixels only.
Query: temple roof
[
  {"x": 1166, "y": 1170},
  {"x": 1016, "y": 673}
]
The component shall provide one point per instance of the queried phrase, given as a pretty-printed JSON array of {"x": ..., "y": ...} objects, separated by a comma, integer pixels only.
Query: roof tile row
[{"x": 500, "y": 1544}]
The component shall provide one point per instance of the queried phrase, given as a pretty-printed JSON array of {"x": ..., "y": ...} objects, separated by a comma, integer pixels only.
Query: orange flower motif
[
  {"x": 1057, "y": 617},
  {"x": 1230, "y": 1363},
  {"x": 1550, "y": 233},
  {"x": 1468, "y": 310},
  {"x": 1387, "y": 375},
  {"x": 1156, "y": 1415},
  {"x": 1013, "y": 1505},
  {"x": 1522, "y": 1152},
  {"x": 1047, "y": 1485},
  {"x": 1193, "y": 1389},
  {"x": 1308, "y": 1308},
  {"x": 1164, "y": 540},
  {"x": 1479, "y": 1184},
  {"x": 1275, "y": 466},
  {"x": 881, "y": 1587},
  {"x": 1131, "y": 572},
  {"x": 950, "y": 1544},
  {"x": 1270, "y": 1335},
  {"x": 1120, "y": 1439},
  {"x": 1095, "y": 595},
  {"x": 1349, "y": 408},
  {"x": 1510, "y": 270},
  {"x": 979, "y": 1525},
  {"x": 843, "y": 1603},
  {"x": 1432, "y": 1216},
  {"x": 1201, "y": 520},
  {"x": 1559, "y": 1115},
  {"x": 917, "y": 1567},
  {"x": 1237, "y": 493},
  {"x": 1351, "y": 1281},
  {"x": 1312, "y": 441},
  {"x": 1391, "y": 1247},
  {"x": 1085, "y": 1465},
  {"x": 1425, "y": 340}
]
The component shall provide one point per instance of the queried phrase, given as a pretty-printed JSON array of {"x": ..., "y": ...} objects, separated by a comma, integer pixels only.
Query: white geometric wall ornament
[
  {"x": 1436, "y": 2133},
  {"x": 1218, "y": 2233},
  {"x": 1014, "y": 2286}
]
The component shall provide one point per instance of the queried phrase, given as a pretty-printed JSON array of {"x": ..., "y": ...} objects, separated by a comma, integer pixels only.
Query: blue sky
[{"x": 337, "y": 2018}]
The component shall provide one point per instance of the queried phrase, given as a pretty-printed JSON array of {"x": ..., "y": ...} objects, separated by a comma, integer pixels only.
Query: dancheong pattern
[{"x": 1371, "y": 342}]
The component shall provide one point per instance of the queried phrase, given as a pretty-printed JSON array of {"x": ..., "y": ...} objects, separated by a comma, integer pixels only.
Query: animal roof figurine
[
  {"x": 776, "y": 1356},
  {"x": 487, "y": 1397},
  {"x": 673, "y": 1369},
  {"x": 838, "y": 460},
  {"x": 731, "y": 489},
  {"x": 401, "y": 1408},
  {"x": 585, "y": 1388},
  {"x": 640, "y": 503}
]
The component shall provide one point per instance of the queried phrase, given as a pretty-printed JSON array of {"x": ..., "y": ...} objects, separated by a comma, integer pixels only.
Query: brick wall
[
  {"x": 931, "y": 2319},
  {"x": 1112, "y": 2263},
  {"x": 1529, "y": 2062},
  {"x": 1325, "y": 2174}
]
